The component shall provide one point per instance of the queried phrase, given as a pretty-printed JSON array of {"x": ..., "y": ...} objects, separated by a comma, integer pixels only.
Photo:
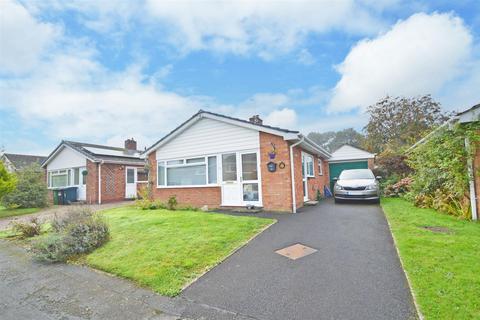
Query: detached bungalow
[
  {"x": 220, "y": 161},
  {"x": 100, "y": 173}
]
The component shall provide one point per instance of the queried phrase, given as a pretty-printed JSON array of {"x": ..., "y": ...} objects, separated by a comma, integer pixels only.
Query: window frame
[
  {"x": 308, "y": 157},
  {"x": 320, "y": 166},
  {"x": 70, "y": 173},
  {"x": 181, "y": 163}
]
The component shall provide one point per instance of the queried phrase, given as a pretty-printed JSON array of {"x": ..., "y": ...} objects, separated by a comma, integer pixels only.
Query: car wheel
[{"x": 336, "y": 200}]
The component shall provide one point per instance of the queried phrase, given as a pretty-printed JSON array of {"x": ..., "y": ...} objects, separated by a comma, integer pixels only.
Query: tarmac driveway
[{"x": 355, "y": 274}]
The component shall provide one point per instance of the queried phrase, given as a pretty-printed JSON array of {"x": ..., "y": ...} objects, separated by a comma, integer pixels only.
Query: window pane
[
  {"x": 161, "y": 173},
  {"x": 196, "y": 160},
  {"x": 320, "y": 167},
  {"x": 249, "y": 166},
  {"x": 212, "y": 170},
  {"x": 130, "y": 175},
  {"x": 69, "y": 177},
  {"x": 250, "y": 192},
  {"x": 59, "y": 180},
  {"x": 186, "y": 176},
  {"x": 76, "y": 176},
  {"x": 84, "y": 176},
  {"x": 174, "y": 162},
  {"x": 229, "y": 167},
  {"x": 49, "y": 182}
]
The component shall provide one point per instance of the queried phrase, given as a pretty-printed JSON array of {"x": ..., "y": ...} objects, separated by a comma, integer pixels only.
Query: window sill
[{"x": 193, "y": 186}]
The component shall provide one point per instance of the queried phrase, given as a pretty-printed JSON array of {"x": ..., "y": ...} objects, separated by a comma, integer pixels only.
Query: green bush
[
  {"x": 27, "y": 229},
  {"x": 77, "y": 232},
  {"x": 440, "y": 177},
  {"x": 146, "y": 204},
  {"x": 172, "y": 203},
  {"x": 30, "y": 191},
  {"x": 8, "y": 181},
  {"x": 51, "y": 248}
]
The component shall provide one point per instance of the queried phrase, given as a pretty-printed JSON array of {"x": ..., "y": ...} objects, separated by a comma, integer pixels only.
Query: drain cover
[{"x": 296, "y": 251}]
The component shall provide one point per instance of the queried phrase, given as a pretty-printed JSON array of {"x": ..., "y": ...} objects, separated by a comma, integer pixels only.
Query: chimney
[
  {"x": 130, "y": 144},
  {"x": 256, "y": 119}
]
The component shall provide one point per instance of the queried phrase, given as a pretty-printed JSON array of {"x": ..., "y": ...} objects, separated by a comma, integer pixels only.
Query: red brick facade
[
  {"x": 113, "y": 183},
  {"x": 276, "y": 186},
  {"x": 198, "y": 197}
]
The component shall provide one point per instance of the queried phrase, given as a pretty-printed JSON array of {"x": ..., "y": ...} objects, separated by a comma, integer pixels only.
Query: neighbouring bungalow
[
  {"x": 471, "y": 115},
  {"x": 218, "y": 161},
  {"x": 349, "y": 157},
  {"x": 14, "y": 162},
  {"x": 91, "y": 168}
]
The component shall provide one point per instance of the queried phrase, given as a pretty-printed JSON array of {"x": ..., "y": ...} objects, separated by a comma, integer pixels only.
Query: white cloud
[
  {"x": 417, "y": 56},
  {"x": 305, "y": 57},
  {"x": 284, "y": 118},
  {"x": 22, "y": 38},
  {"x": 263, "y": 28}
]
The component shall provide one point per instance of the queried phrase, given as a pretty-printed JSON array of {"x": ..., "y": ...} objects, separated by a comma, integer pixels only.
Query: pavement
[
  {"x": 354, "y": 274},
  {"x": 48, "y": 213}
]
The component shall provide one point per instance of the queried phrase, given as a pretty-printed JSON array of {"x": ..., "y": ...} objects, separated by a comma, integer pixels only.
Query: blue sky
[{"x": 103, "y": 71}]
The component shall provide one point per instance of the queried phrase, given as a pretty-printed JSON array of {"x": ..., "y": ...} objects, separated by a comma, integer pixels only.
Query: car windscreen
[{"x": 356, "y": 174}]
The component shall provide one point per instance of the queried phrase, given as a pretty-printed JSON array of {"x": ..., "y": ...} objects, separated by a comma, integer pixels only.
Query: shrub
[
  {"x": 79, "y": 231},
  {"x": 51, "y": 248},
  {"x": 172, "y": 203},
  {"x": 146, "y": 204},
  {"x": 8, "y": 181},
  {"x": 30, "y": 191},
  {"x": 27, "y": 229},
  {"x": 441, "y": 178},
  {"x": 398, "y": 189}
]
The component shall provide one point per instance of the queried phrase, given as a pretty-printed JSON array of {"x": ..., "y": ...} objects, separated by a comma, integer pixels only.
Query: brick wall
[
  {"x": 197, "y": 197},
  {"x": 276, "y": 186},
  {"x": 319, "y": 181},
  {"x": 92, "y": 182}
]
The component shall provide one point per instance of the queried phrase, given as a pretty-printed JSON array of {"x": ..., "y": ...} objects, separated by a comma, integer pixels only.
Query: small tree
[
  {"x": 8, "y": 181},
  {"x": 31, "y": 190},
  {"x": 332, "y": 140},
  {"x": 399, "y": 122}
]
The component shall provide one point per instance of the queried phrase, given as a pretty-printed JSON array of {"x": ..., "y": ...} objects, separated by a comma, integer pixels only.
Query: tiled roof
[{"x": 20, "y": 161}]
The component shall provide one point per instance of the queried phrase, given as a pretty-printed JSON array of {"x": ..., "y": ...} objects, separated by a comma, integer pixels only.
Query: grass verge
[
  {"x": 4, "y": 212},
  {"x": 166, "y": 250},
  {"x": 441, "y": 255}
]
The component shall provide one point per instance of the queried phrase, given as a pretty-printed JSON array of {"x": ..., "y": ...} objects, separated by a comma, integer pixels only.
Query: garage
[{"x": 348, "y": 157}]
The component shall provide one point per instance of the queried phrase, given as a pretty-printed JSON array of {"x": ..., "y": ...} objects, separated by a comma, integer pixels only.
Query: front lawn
[
  {"x": 4, "y": 212},
  {"x": 443, "y": 262},
  {"x": 166, "y": 250}
]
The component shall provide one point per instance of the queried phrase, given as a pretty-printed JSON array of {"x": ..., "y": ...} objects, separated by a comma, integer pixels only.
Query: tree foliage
[
  {"x": 8, "y": 181},
  {"x": 397, "y": 122},
  {"x": 31, "y": 189},
  {"x": 440, "y": 175},
  {"x": 332, "y": 140}
]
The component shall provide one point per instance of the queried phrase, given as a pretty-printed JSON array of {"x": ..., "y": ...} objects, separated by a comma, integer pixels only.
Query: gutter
[{"x": 292, "y": 170}]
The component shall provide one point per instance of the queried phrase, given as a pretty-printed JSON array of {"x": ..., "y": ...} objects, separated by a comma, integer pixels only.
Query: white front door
[
  {"x": 82, "y": 186},
  {"x": 304, "y": 177},
  {"x": 230, "y": 180},
  {"x": 130, "y": 182},
  {"x": 240, "y": 179}
]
